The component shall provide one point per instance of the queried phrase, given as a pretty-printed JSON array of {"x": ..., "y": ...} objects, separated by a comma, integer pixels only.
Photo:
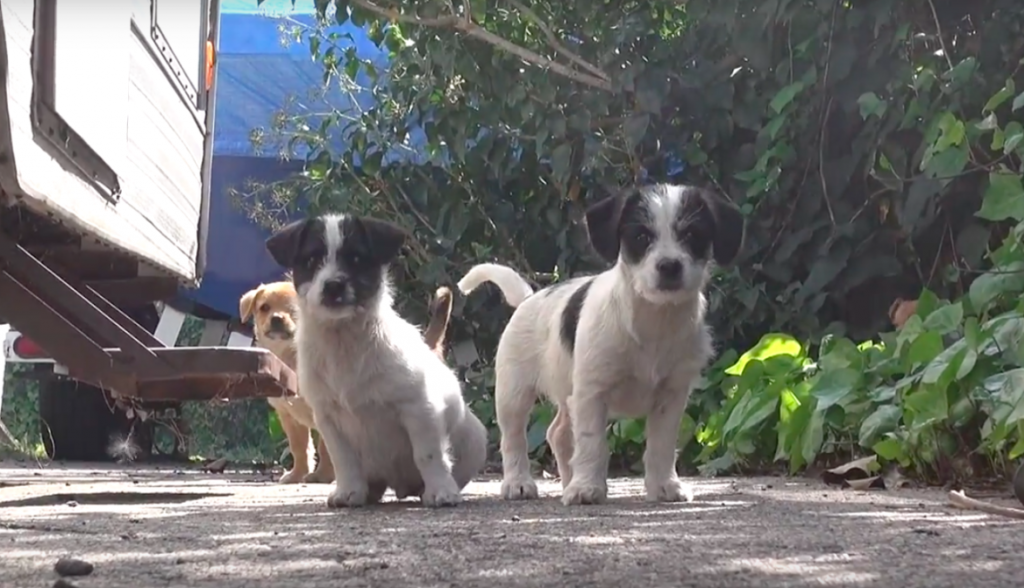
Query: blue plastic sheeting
[{"x": 236, "y": 258}]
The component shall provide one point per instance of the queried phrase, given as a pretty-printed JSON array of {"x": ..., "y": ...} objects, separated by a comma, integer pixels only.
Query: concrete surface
[{"x": 147, "y": 528}]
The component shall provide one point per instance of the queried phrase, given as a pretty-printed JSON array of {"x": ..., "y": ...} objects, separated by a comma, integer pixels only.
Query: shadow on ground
[{"x": 226, "y": 531}]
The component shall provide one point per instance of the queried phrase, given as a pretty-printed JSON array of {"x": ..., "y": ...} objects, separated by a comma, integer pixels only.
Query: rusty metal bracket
[{"x": 30, "y": 271}]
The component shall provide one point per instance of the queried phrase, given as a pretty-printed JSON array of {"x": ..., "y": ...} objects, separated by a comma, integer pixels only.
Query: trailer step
[{"x": 210, "y": 373}]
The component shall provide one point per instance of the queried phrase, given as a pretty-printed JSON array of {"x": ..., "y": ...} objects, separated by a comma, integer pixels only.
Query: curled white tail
[{"x": 513, "y": 287}]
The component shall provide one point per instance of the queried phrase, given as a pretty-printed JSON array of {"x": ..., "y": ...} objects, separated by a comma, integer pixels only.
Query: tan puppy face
[{"x": 273, "y": 308}]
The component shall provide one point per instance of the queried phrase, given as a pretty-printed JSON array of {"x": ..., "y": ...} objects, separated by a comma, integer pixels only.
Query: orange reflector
[{"x": 209, "y": 65}]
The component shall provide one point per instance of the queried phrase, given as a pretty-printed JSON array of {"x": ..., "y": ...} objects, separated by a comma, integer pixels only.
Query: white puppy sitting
[
  {"x": 629, "y": 341},
  {"x": 389, "y": 409}
]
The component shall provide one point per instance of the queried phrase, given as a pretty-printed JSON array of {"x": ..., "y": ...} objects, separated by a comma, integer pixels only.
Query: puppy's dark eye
[
  {"x": 643, "y": 237},
  {"x": 264, "y": 307}
]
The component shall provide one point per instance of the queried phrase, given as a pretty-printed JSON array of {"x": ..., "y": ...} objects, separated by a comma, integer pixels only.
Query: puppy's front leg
[
  {"x": 589, "y": 464},
  {"x": 350, "y": 485},
  {"x": 661, "y": 481},
  {"x": 428, "y": 451}
]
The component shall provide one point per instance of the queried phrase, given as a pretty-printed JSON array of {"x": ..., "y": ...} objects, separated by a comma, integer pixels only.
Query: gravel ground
[{"x": 148, "y": 528}]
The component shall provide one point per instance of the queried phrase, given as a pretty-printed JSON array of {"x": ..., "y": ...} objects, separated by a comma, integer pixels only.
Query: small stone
[
  {"x": 69, "y": 566},
  {"x": 515, "y": 518},
  {"x": 72, "y": 503}
]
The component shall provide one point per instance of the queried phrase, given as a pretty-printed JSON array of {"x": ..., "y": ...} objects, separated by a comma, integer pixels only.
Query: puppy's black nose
[
  {"x": 670, "y": 269},
  {"x": 276, "y": 323},
  {"x": 334, "y": 291}
]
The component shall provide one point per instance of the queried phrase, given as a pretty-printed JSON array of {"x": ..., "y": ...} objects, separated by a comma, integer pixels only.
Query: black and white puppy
[
  {"x": 389, "y": 409},
  {"x": 629, "y": 341}
]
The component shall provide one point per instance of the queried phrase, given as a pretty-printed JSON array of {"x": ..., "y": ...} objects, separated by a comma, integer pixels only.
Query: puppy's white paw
[
  {"x": 673, "y": 490},
  {"x": 445, "y": 493},
  {"x": 518, "y": 489},
  {"x": 292, "y": 476},
  {"x": 581, "y": 491},
  {"x": 348, "y": 496}
]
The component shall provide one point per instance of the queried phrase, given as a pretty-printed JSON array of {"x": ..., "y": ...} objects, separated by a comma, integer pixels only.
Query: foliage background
[{"x": 859, "y": 137}]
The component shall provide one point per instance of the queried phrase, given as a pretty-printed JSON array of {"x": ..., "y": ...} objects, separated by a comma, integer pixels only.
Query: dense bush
[{"x": 858, "y": 137}]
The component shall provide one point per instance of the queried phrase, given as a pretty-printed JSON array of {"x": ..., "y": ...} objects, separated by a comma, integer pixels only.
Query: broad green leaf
[
  {"x": 884, "y": 420},
  {"x": 812, "y": 436},
  {"x": 989, "y": 286},
  {"x": 926, "y": 347},
  {"x": 945, "y": 366},
  {"x": 947, "y": 163},
  {"x": 1018, "y": 102},
  {"x": 785, "y": 96},
  {"x": 1004, "y": 198},
  {"x": 770, "y": 345},
  {"x": 835, "y": 387},
  {"x": 871, "y": 105},
  {"x": 1007, "y": 391},
  {"x": 928, "y": 404},
  {"x": 999, "y": 97},
  {"x": 890, "y": 449},
  {"x": 946, "y": 319}
]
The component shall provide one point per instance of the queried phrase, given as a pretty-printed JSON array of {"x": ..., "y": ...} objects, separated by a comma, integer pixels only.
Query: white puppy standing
[
  {"x": 389, "y": 409},
  {"x": 630, "y": 341}
]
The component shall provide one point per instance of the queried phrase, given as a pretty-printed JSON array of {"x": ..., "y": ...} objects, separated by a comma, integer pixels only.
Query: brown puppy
[{"x": 273, "y": 307}]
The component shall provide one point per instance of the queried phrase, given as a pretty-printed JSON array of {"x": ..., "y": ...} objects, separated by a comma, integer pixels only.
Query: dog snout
[
  {"x": 277, "y": 323},
  {"x": 670, "y": 270},
  {"x": 334, "y": 291}
]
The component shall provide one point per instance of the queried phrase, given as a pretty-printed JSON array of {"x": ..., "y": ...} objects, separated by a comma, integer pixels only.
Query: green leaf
[
  {"x": 890, "y": 449},
  {"x": 835, "y": 387},
  {"x": 635, "y": 128},
  {"x": 946, "y": 319},
  {"x": 561, "y": 159},
  {"x": 999, "y": 97},
  {"x": 928, "y": 404},
  {"x": 991, "y": 285},
  {"x": 884, "y": 420},
  {"x": 871, "y": 105},
  {"x": 770, "y": 345},
  {"x": 1018, "y": 102},
  {"x": 785, "y": 96},
  {"x": 1004, "y": 198},
  {"x": 926, "y": 347},
  {"x": 1007, "y": 391}
]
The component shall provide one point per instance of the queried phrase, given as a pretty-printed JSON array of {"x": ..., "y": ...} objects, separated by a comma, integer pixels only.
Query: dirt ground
[{"x": 148, "y": 528}]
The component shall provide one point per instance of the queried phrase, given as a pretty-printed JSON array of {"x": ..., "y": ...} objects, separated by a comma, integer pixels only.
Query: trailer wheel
[{"x": 78, "y": 422}]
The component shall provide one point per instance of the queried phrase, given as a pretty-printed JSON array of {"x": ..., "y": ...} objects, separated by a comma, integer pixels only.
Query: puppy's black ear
[
  {"x": 385, "y": 239},
  {"x": 285, "y": 244},
  {"x": 603, "y": 225},
  {"x": 730, "y": 227}
]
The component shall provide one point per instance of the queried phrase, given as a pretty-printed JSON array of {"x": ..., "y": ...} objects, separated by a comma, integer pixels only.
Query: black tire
[{"x": 78, "y": 422}]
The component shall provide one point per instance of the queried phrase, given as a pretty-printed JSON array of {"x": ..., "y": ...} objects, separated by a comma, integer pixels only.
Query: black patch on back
[{"x": 571, "y": 315}]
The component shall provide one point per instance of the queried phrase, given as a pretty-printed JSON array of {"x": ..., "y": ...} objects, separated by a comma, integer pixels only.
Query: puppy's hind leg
[
  {"x": 559, "y": 438},
  {"x": 429, "y": 446},
  {"x": 514, "y": 396},
  {"x": 469, "y": 449}
]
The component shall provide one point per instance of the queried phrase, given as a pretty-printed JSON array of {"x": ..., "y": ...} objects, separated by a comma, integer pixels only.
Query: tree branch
[
  {"x": 554, "y": 42},
  {"x": 471, "y": 29}
]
